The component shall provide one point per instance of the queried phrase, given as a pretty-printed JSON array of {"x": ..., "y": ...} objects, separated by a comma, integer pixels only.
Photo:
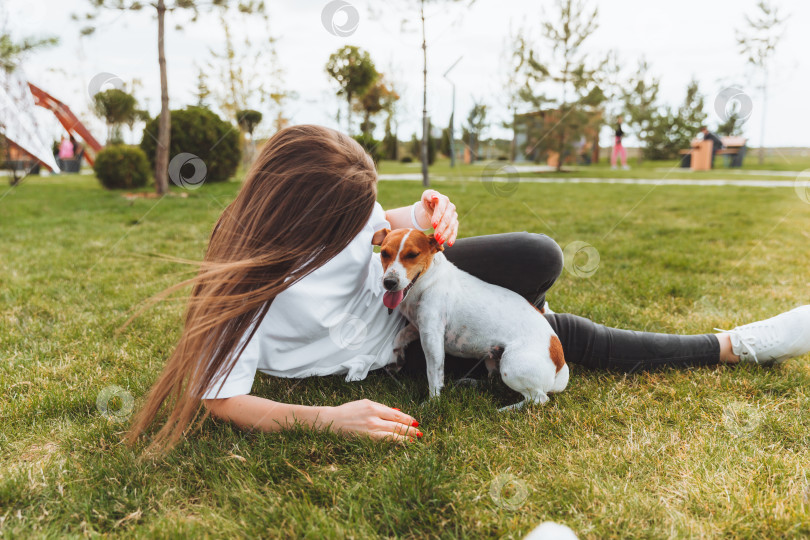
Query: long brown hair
[{"x": 308, "y": 194}]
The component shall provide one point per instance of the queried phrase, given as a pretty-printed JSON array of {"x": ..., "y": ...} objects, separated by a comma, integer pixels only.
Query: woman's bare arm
[
  {"x": 357, "y": 417},
  {"x": 435, "y": 211}
]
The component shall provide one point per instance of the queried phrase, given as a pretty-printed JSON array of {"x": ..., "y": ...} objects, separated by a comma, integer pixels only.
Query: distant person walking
[
  {"x": 65, "y": 151},
  {"x": 618, "y": 150},
  {"x": 709, "y": 136}
]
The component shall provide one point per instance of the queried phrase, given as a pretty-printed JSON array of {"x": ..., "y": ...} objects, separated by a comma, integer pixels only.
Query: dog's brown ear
[
  {"x": 434, "y": 244},
  {"x": 379, "y": 237}
]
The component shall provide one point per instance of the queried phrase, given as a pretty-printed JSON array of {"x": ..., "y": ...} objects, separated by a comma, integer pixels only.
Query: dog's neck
[{"x": 438, "y": 265}]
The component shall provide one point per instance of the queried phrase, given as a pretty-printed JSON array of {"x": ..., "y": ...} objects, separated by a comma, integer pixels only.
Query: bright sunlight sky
[{"x": 680, "y": 40}]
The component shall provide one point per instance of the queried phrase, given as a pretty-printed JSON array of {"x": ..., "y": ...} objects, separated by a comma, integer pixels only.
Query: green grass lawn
[{"x": 710, "y": 452}]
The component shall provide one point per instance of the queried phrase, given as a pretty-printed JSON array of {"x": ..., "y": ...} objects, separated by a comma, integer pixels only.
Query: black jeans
[{"x": 529, "y": 264}]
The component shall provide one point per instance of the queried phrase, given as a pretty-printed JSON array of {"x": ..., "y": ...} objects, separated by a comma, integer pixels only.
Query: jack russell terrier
[{"x": 454, "y": 312}]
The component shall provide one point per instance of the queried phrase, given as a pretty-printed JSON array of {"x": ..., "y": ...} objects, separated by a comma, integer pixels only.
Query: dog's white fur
[{"x": 456, "y": 313}]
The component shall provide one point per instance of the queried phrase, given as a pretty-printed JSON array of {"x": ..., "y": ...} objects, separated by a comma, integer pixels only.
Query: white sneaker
[
  {"x": 773, "y": 340},
  {"x": 626, "y": 167}
]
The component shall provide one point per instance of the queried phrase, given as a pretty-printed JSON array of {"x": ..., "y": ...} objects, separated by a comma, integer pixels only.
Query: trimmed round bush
[
  {"x": 122, "y": 167},
  {"x": 198, "y": 131}
]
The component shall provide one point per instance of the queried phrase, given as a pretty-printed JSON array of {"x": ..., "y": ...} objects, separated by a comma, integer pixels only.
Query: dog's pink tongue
[{"x": 392, "y": 299}]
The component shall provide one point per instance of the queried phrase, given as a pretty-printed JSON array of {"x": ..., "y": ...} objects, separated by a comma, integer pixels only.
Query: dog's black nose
[{"x": 390, "y": 283}]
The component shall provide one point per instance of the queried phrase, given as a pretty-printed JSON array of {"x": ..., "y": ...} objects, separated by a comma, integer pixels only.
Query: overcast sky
[{"x": 681, "y": 40}]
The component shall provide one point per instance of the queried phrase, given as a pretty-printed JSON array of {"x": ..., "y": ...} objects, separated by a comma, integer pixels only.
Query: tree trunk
[
  {"x": 425, "y": 126},
  {"x": 349, "y": 114},
  {"x": 513, "y": 143},
  {"x": 764, "y": 116},
  {"x": 164, "y": 123}
]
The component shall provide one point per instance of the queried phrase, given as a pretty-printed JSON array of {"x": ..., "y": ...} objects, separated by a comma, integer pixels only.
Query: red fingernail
[
  {"x": 419, "y": 434},
  {"x": 435, "y": 198},
  {"x": 439, "y": 238},
  {"x": 415, "y": 424},
  {"x": 450, "y": 244},
  {"x": 435, "y": 223},
  {"x": 395, "y": 408}
]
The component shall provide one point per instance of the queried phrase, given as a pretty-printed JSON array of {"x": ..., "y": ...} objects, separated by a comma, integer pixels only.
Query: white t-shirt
[{"x": 333, "y": 321}]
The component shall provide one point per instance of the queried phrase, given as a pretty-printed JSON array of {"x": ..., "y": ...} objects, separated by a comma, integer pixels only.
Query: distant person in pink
[
  {"x": 65, "y": 149},
  {"x": 618, "y": 150}
]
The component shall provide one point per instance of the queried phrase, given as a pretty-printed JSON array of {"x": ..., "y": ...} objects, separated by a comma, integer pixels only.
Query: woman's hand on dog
[
  {"x": 372, "y": 419},
  {"x": 443, "y": 216}
]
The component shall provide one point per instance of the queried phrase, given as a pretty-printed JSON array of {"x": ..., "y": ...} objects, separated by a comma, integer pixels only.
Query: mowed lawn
[{"x": 707, "y": 452}]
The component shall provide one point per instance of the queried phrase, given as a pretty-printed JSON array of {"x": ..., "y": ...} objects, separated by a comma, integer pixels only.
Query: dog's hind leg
[
  {"x": 560, "y": 380},
  {"x": 407, "y": 335},
  {"x": 539, "y": 398},
  {"x": 523, "y": 372}
]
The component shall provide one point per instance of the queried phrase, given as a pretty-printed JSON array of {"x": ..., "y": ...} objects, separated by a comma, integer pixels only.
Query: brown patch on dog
[
  {"x": 555, "y": 348},
  {"x": 556, "y": 351}
]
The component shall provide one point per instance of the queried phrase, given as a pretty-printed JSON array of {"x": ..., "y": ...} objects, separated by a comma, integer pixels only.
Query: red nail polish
[
  {"x": 434, "y": 224},
  {"x": 419, "y": 434},
  {"x": 415, "y": 424},
  {"x": 395, "y": 408},
  {"x": 450, "y": 244}
]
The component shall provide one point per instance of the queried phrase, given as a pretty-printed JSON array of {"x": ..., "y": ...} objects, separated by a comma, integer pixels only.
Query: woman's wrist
[
  {"x": 419, "y": 216},
  {"x": 323, "y": 417}
]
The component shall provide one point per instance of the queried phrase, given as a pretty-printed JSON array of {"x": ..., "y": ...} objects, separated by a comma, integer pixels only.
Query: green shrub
[
  {"x": 406, "y": 159},
  {"x": 122, "y": 167},
  {"x": 199, "y": 131},
  {"x": 370, "y": 145}
]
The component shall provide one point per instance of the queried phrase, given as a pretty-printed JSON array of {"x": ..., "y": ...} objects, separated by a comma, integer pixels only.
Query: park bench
[
  {"x": 698, "y": 157},
  {"x": 72, "y": 165}
]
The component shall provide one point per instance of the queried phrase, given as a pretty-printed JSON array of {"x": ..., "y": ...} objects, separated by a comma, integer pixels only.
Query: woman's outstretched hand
[
  {"x": 443, "y": 216},
  {"x": 369, "y": 418}
]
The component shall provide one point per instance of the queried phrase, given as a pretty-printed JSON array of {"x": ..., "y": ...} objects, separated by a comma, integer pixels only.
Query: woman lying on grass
[{"x": 290, "y": 261}]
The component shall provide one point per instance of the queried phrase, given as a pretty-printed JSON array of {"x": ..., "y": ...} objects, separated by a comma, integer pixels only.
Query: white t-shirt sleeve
[
  {"x": 377, "y": 220},
  {"x": 240, "y": 379}
]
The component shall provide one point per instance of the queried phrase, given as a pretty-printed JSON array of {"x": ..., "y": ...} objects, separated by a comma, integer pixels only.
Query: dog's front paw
[{"x": 397, "y": 359}]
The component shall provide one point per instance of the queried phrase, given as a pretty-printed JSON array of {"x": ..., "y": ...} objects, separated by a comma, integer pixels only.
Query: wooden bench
[{"x": 696, "y": 156}]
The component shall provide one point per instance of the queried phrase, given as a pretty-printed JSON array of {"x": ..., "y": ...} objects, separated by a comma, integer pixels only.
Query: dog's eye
[
  {"x": 411, "y": 255},
  {"x": 385, "y": 254}
]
